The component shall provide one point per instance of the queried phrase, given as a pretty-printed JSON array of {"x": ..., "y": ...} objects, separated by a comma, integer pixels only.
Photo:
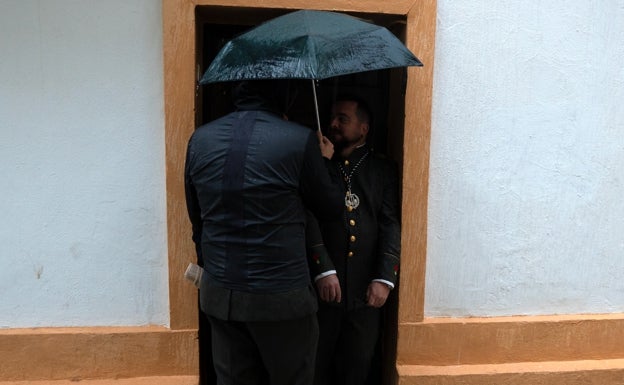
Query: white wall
[
  {"x": 82, "y": 214},
  {"x": 526, "y": 203},
  {"x": 526, "y": 214}
]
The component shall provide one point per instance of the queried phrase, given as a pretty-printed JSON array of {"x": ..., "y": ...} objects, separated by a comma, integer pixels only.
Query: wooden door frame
[{"x": 179, "y": 41}]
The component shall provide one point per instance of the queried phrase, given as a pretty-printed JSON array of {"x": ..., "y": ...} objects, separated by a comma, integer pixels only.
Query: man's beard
[{"x": 341, "y": 142}]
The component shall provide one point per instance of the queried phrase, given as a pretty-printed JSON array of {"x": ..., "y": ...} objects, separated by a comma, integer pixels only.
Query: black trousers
[
  {"x": 207, "y": 375},
  {"x": 264, "y": 353},
  {"x": 347, "y": 343}
]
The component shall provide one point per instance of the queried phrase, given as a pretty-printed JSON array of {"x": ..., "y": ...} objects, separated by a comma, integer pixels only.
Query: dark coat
[
  {"x": 363, "y": 244},
  {"x": 249, "y": 177}
]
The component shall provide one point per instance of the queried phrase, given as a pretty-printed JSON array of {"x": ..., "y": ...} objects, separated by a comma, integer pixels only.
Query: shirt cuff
[
  {"x": 325, "y": 274},
  {"x": 390, "y": 284}
]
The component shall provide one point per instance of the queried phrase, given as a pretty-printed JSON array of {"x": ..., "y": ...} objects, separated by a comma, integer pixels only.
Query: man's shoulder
[
  {"x": 267, "y": 122},
  {"x": 382, "y": 159},
  {"x": 383, "y": 167},
  {"x": 282, "y": 128},
  {"x": 217, "y": 123},
  {"x": 285, "y": 123}
]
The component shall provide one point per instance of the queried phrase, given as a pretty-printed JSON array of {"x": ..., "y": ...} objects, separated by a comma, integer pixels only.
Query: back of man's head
[{"x": 266, "y": 93}]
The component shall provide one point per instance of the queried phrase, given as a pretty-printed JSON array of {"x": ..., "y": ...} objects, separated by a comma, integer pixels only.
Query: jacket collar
[{"x": 355, "y": 155}]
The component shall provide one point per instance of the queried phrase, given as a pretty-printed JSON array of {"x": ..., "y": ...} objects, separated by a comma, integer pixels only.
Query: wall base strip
[{"x": 97, "y": 353}]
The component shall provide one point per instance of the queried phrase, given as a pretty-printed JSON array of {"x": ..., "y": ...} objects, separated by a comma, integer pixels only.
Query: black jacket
[
  {"x": 363, "y": 244},
  {"x": 249, "y": 177}
]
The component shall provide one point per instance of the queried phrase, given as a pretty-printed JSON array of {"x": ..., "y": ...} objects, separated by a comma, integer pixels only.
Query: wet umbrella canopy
[{"x": 308, "y": 45}]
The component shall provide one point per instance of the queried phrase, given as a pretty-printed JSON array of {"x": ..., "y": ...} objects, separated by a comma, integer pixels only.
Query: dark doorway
[{"x": 383, "y": 90}]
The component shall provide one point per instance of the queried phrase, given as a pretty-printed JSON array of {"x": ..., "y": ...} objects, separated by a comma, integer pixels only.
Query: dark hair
[
  {"x": 272, "y": 91},
  {"x": 363, "y": 111}
]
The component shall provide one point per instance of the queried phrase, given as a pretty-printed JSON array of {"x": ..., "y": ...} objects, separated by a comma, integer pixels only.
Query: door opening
[{"x": 384, "y": 92}]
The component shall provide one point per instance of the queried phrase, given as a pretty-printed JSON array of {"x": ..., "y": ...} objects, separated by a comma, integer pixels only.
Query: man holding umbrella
[
  {"x": 354, "y": 259},
  {"x": 249, "y": 178}
]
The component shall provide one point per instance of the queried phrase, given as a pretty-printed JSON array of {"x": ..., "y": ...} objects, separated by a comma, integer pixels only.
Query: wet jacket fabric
[
  {"x": 249, "y": 177},
  {"x": 362, "y": 244}
]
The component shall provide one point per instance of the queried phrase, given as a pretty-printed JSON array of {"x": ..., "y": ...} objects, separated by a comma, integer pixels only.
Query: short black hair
[
  {"x": 363, "y": 110},
  {"x": 273, "y": 91}
]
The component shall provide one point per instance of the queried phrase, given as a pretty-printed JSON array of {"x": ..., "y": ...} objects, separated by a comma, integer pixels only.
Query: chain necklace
[{"x": 352, "y": 201}]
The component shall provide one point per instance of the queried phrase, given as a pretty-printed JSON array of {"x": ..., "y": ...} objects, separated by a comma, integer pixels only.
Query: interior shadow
[{"x": 384, "y": 92}]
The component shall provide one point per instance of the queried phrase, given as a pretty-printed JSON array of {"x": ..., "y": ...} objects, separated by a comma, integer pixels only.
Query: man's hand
[
  {"x": 377, "y": 294},
  {"x": 327, "y": 147},
  {"x": 329, "y": 288}
]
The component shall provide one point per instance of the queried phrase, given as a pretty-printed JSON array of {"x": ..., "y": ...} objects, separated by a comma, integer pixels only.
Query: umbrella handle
[{"x": 318, "y": 120}]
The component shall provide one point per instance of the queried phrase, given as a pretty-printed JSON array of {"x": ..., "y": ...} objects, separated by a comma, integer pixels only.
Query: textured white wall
[
  {"x": 527, "y": 161},
  {"x": 82, "y": 213},
  {"x": 526, "y": 209}
]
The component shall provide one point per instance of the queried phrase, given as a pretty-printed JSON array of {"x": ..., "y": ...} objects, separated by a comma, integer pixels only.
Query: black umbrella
[{"x": 308, "y": 45}]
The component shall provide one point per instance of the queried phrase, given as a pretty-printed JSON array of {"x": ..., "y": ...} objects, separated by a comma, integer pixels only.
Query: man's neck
[{"x": 347, "y": 151}]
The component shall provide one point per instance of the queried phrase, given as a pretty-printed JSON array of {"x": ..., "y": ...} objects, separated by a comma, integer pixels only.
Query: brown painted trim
[
  {"x": 179, "y": 80},
  {"x": 420, "y": 38},
  {"x": 502, "y": 340},
  {"x": 96, "y": 352},
  {"x": 157, "y": 380},
  {"x": 602, "y": 372},
  {"x": 179, "y": 59},
  {"x": 397, "y": 7}
]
